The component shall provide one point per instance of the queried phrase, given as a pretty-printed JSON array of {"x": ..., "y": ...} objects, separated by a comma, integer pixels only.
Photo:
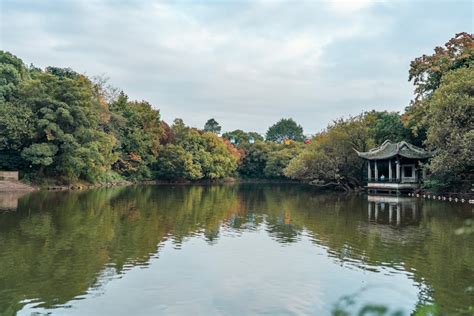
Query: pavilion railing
[
  {"x": 386, "y": 180},
  {"x": 402, "y": 180}
]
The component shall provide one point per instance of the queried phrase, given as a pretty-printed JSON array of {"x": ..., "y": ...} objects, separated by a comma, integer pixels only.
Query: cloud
[
  {"x": 246, "y": 63},
  {"x": 349, "y": 6}
]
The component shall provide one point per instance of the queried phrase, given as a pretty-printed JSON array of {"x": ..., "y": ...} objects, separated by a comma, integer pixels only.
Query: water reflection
[
  {"x": 396, "y": 208},
  {"x": 61, "y": 247},
  {"x": 9, "y": 200}
]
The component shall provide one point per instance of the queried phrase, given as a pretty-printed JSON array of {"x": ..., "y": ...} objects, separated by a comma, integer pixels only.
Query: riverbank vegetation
[
  {"x": 58, "y": 124},
  {"x": 440, "y": 117}
]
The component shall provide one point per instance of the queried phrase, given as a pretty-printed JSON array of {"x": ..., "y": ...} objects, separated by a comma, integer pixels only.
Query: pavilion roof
[{"x": 389, "y": 149}]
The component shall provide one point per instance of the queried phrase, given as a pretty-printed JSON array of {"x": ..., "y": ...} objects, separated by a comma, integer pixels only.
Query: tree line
[
  {"x": 440, "y": 118},
  {"x": 58, "y": 124}
]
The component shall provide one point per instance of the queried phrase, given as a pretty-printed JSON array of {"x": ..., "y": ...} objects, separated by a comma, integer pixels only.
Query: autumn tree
[{"x": 426, "y": 73}]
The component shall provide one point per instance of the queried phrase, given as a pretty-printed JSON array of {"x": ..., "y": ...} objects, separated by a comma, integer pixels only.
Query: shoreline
[
  {"x": 12, "y": 186},
  {"x": 19, "y": 186},
  {"x": 16, "y": 186}
]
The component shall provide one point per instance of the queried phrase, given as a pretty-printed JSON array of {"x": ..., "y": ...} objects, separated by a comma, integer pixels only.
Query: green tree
[
  {"x": 386, "y": 125},
  {"x": 179, "y": 130},
  {"x": 212, "y": 126},
  {"x": 17, "y": 127},
  {"x": 174, "y": 162},
  {"x": 255, "y": 159},
  {"x": 450, "y": 121},
  {"x": 330, "y": 159},
  {"x": 12, "y": 73},
  {"x": 138, "y": 129},
  {"x": 40, "y": 154},
  {"x": 211, "y": 153},
  {"x": 90, "y": 158},
  {"x": 67, "y": 116},
  {"x": 16, "y": 119},
  {"x": 285, "y": 129},
  {"x": 278, "y": 160}
]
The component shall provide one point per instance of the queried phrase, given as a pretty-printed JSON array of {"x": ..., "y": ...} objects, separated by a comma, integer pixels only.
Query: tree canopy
[
  {"x": 241, "y": 138},
  {"x": 330, "y": 159},
  {"x": 138, "y": 129},
  {"x": 426, "y": 73},
  {"x": 285, "y": 129},
  {"x": 451, "y": 131},
  {"x": 386, "y": 126},
  {"x": 58, "y": 119},
  {"x": 195, "y": 155},
  {"x": 440, "y": 115},
  {"x": 212, "y": 126}
]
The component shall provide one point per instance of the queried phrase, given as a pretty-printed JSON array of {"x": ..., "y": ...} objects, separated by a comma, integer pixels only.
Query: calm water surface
[{"x": 228, "y": 250}]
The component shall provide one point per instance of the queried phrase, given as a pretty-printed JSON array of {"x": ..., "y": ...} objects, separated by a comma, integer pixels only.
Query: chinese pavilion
[{"x": 395, "y": 167}]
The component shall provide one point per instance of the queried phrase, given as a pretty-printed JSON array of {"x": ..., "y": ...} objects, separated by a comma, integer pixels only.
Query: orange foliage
[
  {"x": 168, "y": 136},
  {"x": 234, "y": 151}
]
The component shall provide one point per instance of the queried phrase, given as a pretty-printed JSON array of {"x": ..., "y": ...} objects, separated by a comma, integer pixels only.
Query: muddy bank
[{"x": 13, "y": 186}]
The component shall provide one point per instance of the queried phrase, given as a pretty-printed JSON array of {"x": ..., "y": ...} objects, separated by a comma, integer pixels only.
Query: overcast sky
[{"x": 245, "y": 63}]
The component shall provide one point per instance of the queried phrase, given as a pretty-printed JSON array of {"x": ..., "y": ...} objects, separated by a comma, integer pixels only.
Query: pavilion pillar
[
  {"x": 416, "y": 171},
  {"x": 398, "y": 169},
  {"x": 369, "y": 209},
  {"x": 376, "y": 171},
  {"x": 390, "y": 170},
  {"x": 369, "y": 172},
  {"x": 423, "y": 173},
  {"x": 390, "y": 212},
  {"x": 399, "y": 215}
]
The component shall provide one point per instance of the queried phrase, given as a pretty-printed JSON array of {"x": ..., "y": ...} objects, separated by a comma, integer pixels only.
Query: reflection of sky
[{"x": 248, "y": 274}]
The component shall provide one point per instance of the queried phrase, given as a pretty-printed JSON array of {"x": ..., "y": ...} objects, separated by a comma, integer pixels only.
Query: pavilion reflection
[{"x": 392, "y": 210}]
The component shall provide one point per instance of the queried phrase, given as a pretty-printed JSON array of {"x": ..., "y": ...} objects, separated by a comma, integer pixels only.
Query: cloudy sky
[{"x": 245, "y": 63}]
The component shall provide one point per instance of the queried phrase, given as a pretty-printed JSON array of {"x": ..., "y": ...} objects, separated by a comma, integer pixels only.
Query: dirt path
[{"x": 8, "y": 186}]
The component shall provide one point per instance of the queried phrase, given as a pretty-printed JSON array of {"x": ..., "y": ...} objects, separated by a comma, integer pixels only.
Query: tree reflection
[{"x": 56, "y": 246}]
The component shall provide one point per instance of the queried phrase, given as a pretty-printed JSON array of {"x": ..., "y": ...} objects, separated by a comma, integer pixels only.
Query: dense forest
[{"x": 62, "y": 126}]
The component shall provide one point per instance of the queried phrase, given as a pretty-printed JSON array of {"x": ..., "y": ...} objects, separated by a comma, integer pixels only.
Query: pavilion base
[{"x": 391, "y": 188}]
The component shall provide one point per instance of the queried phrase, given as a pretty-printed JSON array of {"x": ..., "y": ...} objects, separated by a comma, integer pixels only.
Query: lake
[{"x": 230, "y": 250}]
